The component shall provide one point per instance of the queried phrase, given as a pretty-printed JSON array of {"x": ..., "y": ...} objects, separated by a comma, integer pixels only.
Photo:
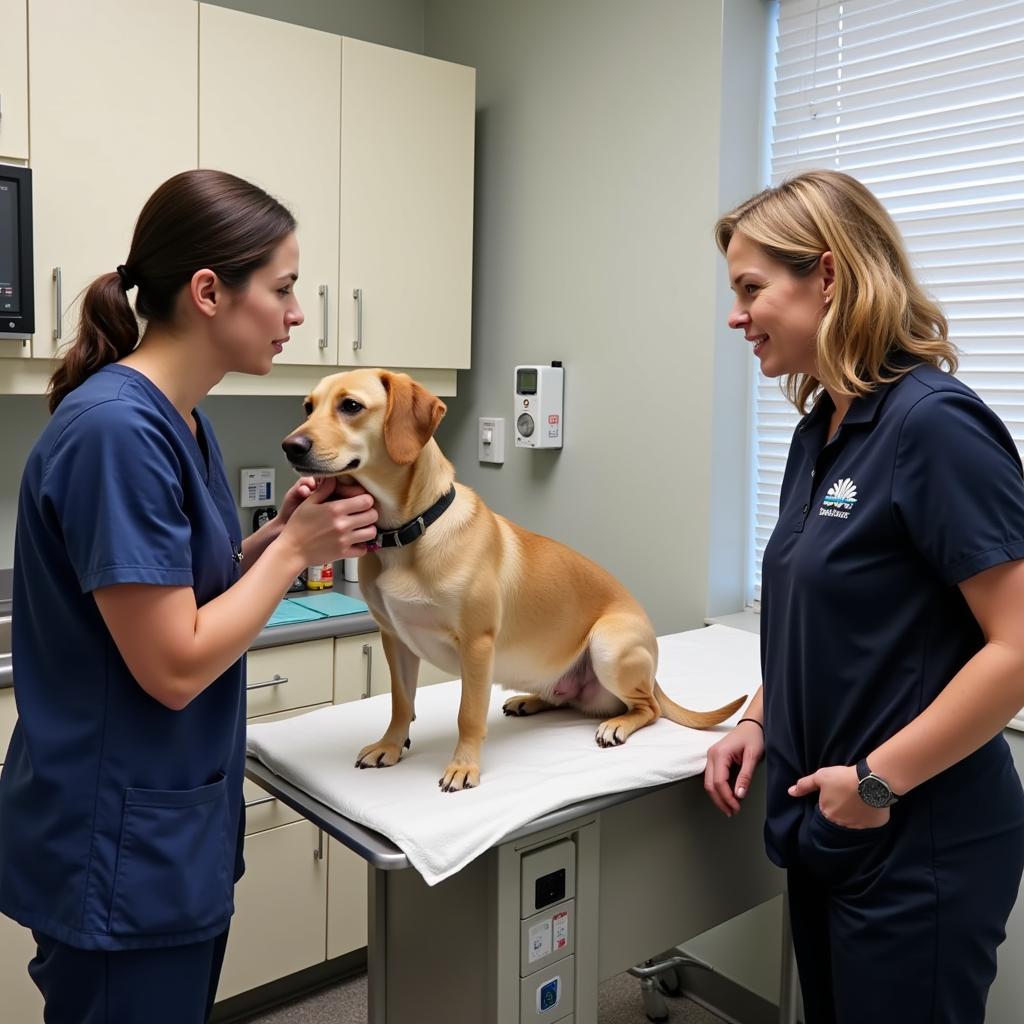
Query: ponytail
[
  {"x": 107, "y": 331},
  {"x": 199, "y": 218}
]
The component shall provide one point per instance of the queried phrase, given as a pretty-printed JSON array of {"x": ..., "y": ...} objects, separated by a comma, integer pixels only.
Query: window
[{"x": 924, "y": 103}]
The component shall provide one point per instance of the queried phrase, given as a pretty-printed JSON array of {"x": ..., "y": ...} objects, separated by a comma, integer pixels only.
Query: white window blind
[{"x": 924, "y": 103}]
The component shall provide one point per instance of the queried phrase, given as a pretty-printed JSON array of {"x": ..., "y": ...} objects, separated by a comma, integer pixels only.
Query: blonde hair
[{"x": 877, "y": 307}]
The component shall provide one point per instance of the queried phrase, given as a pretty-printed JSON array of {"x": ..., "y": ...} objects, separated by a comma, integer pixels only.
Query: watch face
[{"x": 874, "y": 792}]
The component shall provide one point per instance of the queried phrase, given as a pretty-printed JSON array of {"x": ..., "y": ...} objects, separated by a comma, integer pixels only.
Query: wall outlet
[{"x": 256, "y": 488}]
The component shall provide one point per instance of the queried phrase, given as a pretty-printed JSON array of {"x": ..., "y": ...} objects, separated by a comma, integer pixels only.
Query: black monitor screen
[
  {"x": 10, "y": 297},
  {"x": 526, "y": 382}
]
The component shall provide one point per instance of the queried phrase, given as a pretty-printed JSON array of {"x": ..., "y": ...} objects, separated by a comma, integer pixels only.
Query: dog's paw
[
  {"x": 380, "y": 755},
  {"x": 518, "y": 707},
  {"x": 611, "y": 733},
  {"x": 459, "y": 775}
]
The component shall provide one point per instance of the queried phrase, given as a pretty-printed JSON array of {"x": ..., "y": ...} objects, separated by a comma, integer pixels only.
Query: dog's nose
[{"x": 297, "y": 446}]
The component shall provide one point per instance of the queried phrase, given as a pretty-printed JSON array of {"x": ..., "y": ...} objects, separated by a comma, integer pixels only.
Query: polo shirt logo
[{"x": 840, "y": 499}]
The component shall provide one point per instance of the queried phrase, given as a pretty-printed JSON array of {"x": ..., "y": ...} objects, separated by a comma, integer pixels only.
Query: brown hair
[
  {"x": 878, "y": 308},
  {"x": 197, "y": 219}
]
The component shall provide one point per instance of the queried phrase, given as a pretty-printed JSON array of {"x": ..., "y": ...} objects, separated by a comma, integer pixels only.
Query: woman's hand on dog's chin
[
  {"x": 330, "y": 523},
  {"x": 294, "y": 497}
]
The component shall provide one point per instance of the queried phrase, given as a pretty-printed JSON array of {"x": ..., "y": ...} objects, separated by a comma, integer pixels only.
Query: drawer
[
  {"x": 263, "y": 811},
  {"x": 291, "y": 676},
  {"x": 8, "y": 716}
]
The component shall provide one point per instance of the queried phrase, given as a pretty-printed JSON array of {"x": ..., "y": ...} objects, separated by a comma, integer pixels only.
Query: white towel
[{"x": 529, "y": 765}]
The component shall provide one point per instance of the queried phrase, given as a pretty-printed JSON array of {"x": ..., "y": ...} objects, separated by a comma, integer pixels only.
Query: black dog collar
[{"x": 415, "y": 528}]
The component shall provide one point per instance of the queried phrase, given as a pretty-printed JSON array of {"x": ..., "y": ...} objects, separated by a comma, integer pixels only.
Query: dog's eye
[
  {"x": 308, "y": 406},
  {"x": 350, "y": 406}
]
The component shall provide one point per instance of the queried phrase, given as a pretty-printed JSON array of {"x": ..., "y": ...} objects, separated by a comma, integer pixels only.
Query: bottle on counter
[{"x": 320, "y": 577}]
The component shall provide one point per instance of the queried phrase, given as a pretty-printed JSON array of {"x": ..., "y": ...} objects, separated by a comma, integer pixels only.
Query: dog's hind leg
[
  {"x": 624, "y": 661},
  {"x": 404, "y": 666}
]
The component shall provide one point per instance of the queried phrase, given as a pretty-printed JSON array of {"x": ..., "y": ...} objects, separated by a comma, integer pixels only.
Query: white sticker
[
  {"x": 540, "y": 940},
  {"x": 561, "y": 930}
]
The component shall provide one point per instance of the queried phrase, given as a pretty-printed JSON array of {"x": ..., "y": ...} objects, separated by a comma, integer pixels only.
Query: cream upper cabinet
[
  {"x": 270, "y": 97},
  {"x": 13, "y": 80},
  {"x": 407, "y": 131},
  {"x": 113, "y": 115}
]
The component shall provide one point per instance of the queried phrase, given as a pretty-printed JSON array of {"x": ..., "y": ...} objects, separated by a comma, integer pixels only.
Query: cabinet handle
[
  {"x": 276, "y": 680},
  {"x": 58, "y": 304},
  {"x": 368, "y": 653},
  {"x": 357, "y": 294},
  {"x": 322, "y": 292},
  {"x": 261, "y": 800},
  {"x": 318, "y": 853}
]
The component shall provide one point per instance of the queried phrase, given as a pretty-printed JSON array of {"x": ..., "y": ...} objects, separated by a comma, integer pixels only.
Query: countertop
[{"x": 273, "y": 636}]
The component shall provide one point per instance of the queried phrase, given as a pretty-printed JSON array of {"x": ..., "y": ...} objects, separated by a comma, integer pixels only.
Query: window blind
[{"x": 924, "y": 103}]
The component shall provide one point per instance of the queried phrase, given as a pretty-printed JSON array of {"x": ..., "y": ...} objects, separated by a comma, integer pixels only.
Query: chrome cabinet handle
[
  {"x": 318, "y": 853},
  {"x": 261, "y": 800},
  {"x": 324, "y": 330},
  {"x": 368, "y": 655},
  {"x": 58, "y": 304},
  {"x": 276, "y": 680},
  {"x": 357, "y": 294}
]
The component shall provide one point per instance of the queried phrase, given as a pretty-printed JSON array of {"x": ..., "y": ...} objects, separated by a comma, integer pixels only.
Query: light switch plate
[{"x": 491, "y": 439}]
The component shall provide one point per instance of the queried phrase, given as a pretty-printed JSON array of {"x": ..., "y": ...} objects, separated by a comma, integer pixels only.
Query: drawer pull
[
  {"x": 368, "y": 655},
  {"x": 318, "y": 853},
  {"x": 261, "y": 800},
  {"x": 276, "y": 680}
]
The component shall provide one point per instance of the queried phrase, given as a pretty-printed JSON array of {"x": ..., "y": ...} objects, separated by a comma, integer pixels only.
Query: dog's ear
[{"x": 412, "y": 416}]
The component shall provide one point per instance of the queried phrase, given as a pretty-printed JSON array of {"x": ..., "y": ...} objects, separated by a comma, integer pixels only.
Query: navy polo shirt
[
  {"x": 862, "y": 622},
  {"x": 120, "y": 820}
]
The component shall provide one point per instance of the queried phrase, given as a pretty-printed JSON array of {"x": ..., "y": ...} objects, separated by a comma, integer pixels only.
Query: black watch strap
[{"x": 863, "y": 771}]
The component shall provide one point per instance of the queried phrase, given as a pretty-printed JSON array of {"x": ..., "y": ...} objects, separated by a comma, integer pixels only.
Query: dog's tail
[{"x": 694, "y": 719}]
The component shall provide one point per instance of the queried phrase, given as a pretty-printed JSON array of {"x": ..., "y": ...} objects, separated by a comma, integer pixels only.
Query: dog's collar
[{"x": 415, "y": 528}]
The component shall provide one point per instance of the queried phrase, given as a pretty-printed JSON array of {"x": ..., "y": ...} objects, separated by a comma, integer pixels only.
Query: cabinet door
[
  {"x": 407, "y": 129},
  {"x": 270, "y": 96},
  {"x": 346, "y": 901},
  {"x": 13, "y": 80},
  {"x": 280, "y": 922},
  {"x": 113, "y": 115},
  {"x": 21, "y": 999},
  {"x": 359, "y": 667},
  {"x": 8, "y": 716}
]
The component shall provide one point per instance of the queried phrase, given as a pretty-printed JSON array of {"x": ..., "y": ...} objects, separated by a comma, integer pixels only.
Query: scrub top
[
  {"x": 120, "y": 819},
  {"x": 862, "y": 622}
]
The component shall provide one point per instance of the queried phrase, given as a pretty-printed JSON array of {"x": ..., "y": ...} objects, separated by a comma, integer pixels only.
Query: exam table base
[{"x": 651, "y": 873}]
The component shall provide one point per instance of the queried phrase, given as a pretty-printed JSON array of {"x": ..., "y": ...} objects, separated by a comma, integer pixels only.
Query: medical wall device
[
  {"x": 538, "y": 406},
  {"x": 256, "y": 487},
  {"x": 17, "y": 296}
]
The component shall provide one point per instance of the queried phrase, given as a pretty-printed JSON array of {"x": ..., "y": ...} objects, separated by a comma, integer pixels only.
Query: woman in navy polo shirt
[
  {"x": 135, "y": 598},
  {"x": 892, "y": 621}
]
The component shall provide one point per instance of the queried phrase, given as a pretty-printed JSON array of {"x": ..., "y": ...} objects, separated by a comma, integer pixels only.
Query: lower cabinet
[
  {"x": 20, "y": 998},
  {"x": 280, "y": 918},
  {"x": 346, "y": 900}
]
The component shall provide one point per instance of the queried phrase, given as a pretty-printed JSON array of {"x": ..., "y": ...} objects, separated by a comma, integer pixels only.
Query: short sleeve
[
  {"x": 113, "y": 481},
  {"x": 957, "y": 488}
]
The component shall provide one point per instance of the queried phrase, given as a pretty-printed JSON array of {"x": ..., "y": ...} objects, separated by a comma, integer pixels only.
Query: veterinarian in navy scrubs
[
  {"x": 892, "y": 621},
  {"x": 135, "y": 598}
]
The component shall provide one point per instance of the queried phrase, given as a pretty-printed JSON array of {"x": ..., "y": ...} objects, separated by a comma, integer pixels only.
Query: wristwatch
[{"x": 873, "y": 789}]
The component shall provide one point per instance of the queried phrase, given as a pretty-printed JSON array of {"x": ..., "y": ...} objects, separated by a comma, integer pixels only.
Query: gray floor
[{"x": 618, "y": 1003}]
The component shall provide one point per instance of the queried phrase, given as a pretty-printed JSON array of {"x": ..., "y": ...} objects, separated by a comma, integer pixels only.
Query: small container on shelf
[{"x": 320, "y": 577}]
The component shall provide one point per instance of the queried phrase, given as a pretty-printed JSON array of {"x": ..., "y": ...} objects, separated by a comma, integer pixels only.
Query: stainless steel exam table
[{"x": 650, "y": 869}]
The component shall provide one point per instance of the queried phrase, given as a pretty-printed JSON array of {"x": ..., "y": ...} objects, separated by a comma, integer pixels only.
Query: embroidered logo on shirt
[{"x": 840, "y": 499}]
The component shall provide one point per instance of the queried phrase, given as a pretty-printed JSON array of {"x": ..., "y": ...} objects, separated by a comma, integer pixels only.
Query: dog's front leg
[
  {"x": 477, "y": 658},
  {"x": 404, "y": 666}
]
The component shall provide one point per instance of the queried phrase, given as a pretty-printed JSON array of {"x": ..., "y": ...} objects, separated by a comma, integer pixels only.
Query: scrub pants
[
  {"x": 170, "y": 985},
  {"x": 900, "y": 924}
]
